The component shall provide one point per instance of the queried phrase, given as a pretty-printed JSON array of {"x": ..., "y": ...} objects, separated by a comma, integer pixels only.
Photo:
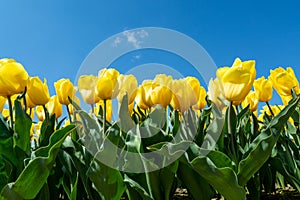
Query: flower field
[{"x": 170, "y": 133}]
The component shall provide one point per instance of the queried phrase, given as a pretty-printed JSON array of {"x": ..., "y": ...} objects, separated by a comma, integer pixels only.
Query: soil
[{"x": 281, "y": 194}]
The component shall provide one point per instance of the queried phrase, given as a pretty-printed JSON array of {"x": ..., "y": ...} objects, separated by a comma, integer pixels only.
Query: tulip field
[{"x": 226, "y": 140}]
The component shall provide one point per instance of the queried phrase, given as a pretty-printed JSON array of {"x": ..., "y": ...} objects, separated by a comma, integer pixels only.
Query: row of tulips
[
  {"x": 63, "y": 158},
  {"x": 233, "y": 84}
]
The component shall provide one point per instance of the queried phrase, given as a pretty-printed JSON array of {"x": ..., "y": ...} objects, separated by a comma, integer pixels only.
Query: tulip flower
[
  {"x": 29, "y": 103},
  {"x": 284, "y": 80},
  {"x": 251, "y": 100},
  {"x": 2, "y": 103},
  {"x": 263, "y": 89},
  {"x": 40, "y": 113},
  {"x": 183, "y": 95},
  {"x": 5, "y": 113},
  {"x": 64, "y": 89},
  {"x": 107, "y": 84},
  {"x": 127, "y": 84},
  {"x": 161, "y": 95},
  {"x": 163, "y": 79},
  {"x": 38, "y": 91},
  {"x": 13, "y": 77},
  {"x": 86, "y": 86},
  {"x": 201, "y": 101},
  {"x": 237, "y": 81},
  {"x": 286, "y": 99},
  {"x": 54, "y": 106},
  {"x": 214, "y": 92},
  {"x": 140, "y": 98}
]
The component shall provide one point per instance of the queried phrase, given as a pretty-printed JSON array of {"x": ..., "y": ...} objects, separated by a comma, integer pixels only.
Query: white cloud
[
  {"x": 134, "y": 37},
  {"x": 117, "y": 41}
]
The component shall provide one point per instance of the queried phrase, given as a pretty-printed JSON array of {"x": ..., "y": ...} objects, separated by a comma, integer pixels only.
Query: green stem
[
  {"x": 270, "y": 108},
  {"x": 69, "y": 114},
  {"x": 11, "y": 113},
  {"x": 104, "y": 116},
  {"x": 25, "y": 103},
  {"x": 230, "y": 131},
  {"x": 93, "y": 109},
  {"x": 46, "y": 113},
  {"x": 167, "y": 121}
]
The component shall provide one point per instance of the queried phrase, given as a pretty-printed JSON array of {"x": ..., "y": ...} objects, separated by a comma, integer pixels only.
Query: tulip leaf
[
  {"x": 223, "y": 179},
  {"x": 23, "y": 125},
  {"x": 126, "y": 123},
  {"x": 35, "y": 174},
  {"x": 261, "y": 148}
]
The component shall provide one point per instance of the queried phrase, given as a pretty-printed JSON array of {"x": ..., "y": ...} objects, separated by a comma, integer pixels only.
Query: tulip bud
[
  {"x": 86, "y": 86},
  {"x": 263, "y": 89},
  {"x": 251, "y": 100},
  {"x": 284, "y": 80},
  {"x": 40, "y": 113},
  {"x": 13, "y": 77},
  {"x": 54, "y": 107},
  {"x": 38, "y": 91},
  {"x": 237, "y": 81},
  {"x": 107, "y": 84},
  {"x": 161, "y": 95},
  {"x": 127, "y": 84},
  {"x": 64, "y": 89}
]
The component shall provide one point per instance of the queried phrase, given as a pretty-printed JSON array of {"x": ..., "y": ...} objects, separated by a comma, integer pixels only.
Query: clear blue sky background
[{"x": 52, "y": 38}]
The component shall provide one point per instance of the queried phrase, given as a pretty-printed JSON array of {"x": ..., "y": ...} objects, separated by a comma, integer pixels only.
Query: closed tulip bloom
[
  {"x": 161, "y": 95},
  {"x": 140, "y": 98},
  {"x": 214, "y": 92},
  {"x": 64, "y": 89},
  {"x": 40, "y": 113},
  {"x": 107, "y": 84},
  {"x": 183, "y": 95},
  {"x": 201, "y": 101},
  {"x": 54, "y": 106},
  {"x": 284, "y": 80},
  {"x": 263, "y": 89},
  {"x": 127, "y": 84},
  {"x": 13, "y": 78},
  {"x": 195, "y": 85},
  {"x": 2, "y": 103},
  {"x": 38, "y": 91},
  {"x": 251, "y": 100},
  {"x": 29, "y": 103},
  {"x": 163, "y": 79},
  {"x": 86, "y": 86},
  {"x": 237, "y": 81}
]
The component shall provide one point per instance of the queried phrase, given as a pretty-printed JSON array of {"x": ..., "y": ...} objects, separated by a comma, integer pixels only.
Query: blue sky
[{"x": 52, "y": 38}]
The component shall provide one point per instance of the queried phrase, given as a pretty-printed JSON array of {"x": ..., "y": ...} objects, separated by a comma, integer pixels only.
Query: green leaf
[
  {"x": 46, "y": 130},
  {"x": 23, "y": 125},
  {"x": 223, "y": 179},
  {"x": 107, "y": 181},
  {"x": 126, "y": 123},
  {"x": 34, "y": 176},
  {"x": 261, "y": 148}
]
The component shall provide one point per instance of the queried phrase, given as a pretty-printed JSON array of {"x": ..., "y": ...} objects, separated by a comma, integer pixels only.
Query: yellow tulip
[
  {"x": 286, "y": 99},
  {"x": 54, "y": 106},
  {"x": 201, "y": 101},
  {"x": 38, "y": 91},
  {"x": 214, "y": 92},
  {"x": 86, "y": 86},
  {"x": 163, "y": 79},
  {"x": 64, "y": 89},
  {"x": 161, "y": 95},
  {"x": 40, "y": 113},
  {"x": 140, "y": 98},
  {"x": 13, "y": 78},
  {"x": 263, "y": 89},
  {"x": 127, "y": 84},
  {"x": 29, "y": 103},
  {"x": 183, "y": 95},
  {"x": 38, "y": 127},
  {"x": 107, "y": 84},
  {"x": 71, "y": 107},
  {"x": 2, "y": 103},
  {"x": 284, "y": 80},
  {"x": 251, "y": 100},
  {"x": 109, "y": 109},
  {"x": 5, "y": 113},
  {"x": 237, "y": 81}
]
